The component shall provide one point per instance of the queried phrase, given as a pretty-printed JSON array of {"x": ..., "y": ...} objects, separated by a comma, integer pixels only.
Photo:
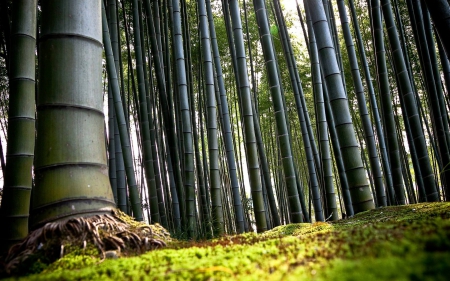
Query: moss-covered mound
[{"x": 395, "y": 243}]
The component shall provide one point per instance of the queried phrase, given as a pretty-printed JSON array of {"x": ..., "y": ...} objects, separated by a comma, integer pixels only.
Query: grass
[{"x": 395, "y": 243}]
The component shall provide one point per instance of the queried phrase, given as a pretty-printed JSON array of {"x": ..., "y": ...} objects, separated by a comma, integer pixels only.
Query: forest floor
[{"x": 394, "y": 243}]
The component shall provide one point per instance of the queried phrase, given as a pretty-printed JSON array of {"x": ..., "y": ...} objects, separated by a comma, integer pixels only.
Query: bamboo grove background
[{"x": 232, "y": 116}]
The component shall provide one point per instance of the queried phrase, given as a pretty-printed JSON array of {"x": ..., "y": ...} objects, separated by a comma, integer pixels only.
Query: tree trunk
[{"x": 70, "y": 167}]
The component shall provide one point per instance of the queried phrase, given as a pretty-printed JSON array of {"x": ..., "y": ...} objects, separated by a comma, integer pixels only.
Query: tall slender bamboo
[
  {"x": 163, "y": 90},
  {"x": 247, "y": 112},
  {"x": 204, "y": 156},
  {"x": 433, "y": 86},
  {"x": 410, "y": 103},
  {"x": 156, "y": 165},
  {"x": 250, "y": 53},
  {"x": 211, "y": 121},
  {"x": 189, "y": 177},
  {"x": 157, "y": 22},
  {"x": 445, "y": 66},
  {"x": 122, "y": 169},
  {"x": 266, "y": 176},
  {"x": 111, "y": 133},
  {"x": 120, "y": 60},
  {"x": 331, "y": 209},
  {"x": 118, "y": 166},
  {"x": 280, "y": 114},
  {"x": 201, "y": 183},
  {"x": 430, "y": 32},
  {"x": 406, "y": 124},
  {"x": 21, "y": 122},
  {"x": 386, "y": 104},
  {"x": 226, "y": 130},
  {"x": 164, "y": 84},
  {"x": 363, "y": 112},
  {"x": 302, "y": 112},
  {"x": 121, "y": 124},
  {"x": 302, "y": 98},
  {"x": 112, "y": 146},
  {"x": 373, "y": 104},
  {"x": 151, "y": 122},
  {"x": 358, "y": 186},
  {"x": 143, "y": 109},
  {"x": 440, "y": 13},
  {"x": 301, "y": 107}
]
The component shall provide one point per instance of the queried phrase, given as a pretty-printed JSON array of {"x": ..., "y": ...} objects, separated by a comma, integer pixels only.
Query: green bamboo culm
[
  {"x": 362, "y": 106},
  {"x": 146, "y": 140},
  {"x": 387, "y": 106},
  {"x": 112, "y": 170},
  {"x": 154, "y": 120},
  {"x": 211, "y": 122},
  {"x": 373, "y": 104},
  {"x": 121, "y": 169},
  {"x": 302, "y": 99},
  {"x": 412, "y": 148},
  {"x": 120, "y": 119},
  {"x": 351, "y": 155},
  {"x": 430, "y": 32},
  {"x": 189, "y": 176},
  {"x": 143, "y": 112},
  {"x": 157, "y": 22},
  {"x": 307, "y": 119},
  {"x": 226, "y": 124},
  {"x": 249, "y": 125},
  {"x": 445, "y": 65},
  {"x": 201, "y": 183},
  {"x": 147, "y": 143},
  {"x": 302, "y": 112},
  {"x": 411, "y": 109},
  {"x": 433, "y": 88},
  {"x": 21, "y": 122},
  {"x": 440, "y": 14},
  {"x": 121, "y": 179},
  {"x": 155, "y": 45},
  {"x": 264, "y": 164},
  {"x": 337, "y": 153},
  {"x": 112, "y": 21},
  {"x": 331, "y": 208},
  {"x": 280, "y": 116},
  {"x": 266, "y": 184},
  {"x": 71, "y": 175}
]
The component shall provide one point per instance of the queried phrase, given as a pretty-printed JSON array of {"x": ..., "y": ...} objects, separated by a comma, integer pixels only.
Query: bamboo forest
[{"x": 224, "y": 139}]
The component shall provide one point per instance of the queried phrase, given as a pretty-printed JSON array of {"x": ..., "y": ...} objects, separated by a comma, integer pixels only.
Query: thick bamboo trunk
[
  {"x": 358, "y": 186},
  {"x": 70, "y": 167}
]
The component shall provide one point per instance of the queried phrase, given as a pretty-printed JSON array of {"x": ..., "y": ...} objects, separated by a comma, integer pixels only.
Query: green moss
[
  {"x": 395, "y": 243},
  {"x": 157, "y": 230},
  {"x": 76, "y": 259},
  {"x": 418, "y": 267}
]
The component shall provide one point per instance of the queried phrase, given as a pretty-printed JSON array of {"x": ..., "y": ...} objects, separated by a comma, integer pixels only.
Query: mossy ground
[{"x": 396, "y": 243}]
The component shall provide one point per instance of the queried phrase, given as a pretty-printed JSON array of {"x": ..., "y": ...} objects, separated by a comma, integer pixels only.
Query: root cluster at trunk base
[{"x": 108, "y": 235}]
